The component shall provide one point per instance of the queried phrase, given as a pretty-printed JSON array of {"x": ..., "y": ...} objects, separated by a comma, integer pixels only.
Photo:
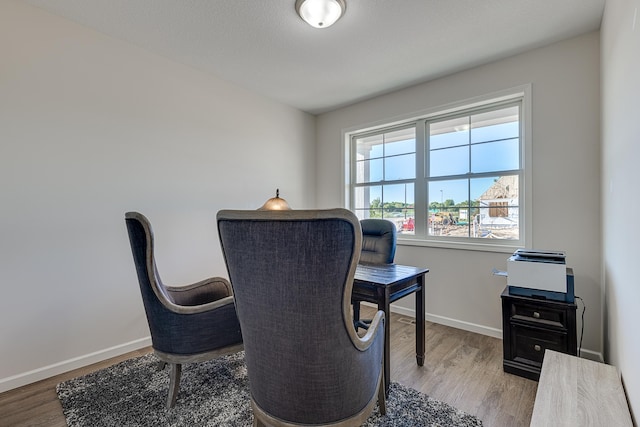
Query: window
[
  {"x": 452, "y": 178},
  {"x": 385, "y": 172}
]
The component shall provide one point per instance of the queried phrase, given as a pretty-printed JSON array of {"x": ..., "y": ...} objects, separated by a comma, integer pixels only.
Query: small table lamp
[{"x": 275, "y": 203}]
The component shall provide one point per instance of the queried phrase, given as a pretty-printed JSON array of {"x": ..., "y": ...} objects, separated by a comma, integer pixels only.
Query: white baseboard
[
  {"x": 45, "y": 372},
  {"x": 592, "y": 355},
  {"x": 465, "y": 326},
  {"x": 454, "y": 323}
]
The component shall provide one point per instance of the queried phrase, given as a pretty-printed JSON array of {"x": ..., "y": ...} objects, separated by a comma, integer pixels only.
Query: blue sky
[{"x": 490, "y": 148}]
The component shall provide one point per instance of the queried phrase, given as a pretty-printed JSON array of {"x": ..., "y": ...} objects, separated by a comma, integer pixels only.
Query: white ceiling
[{"x": 379, "y": 45}]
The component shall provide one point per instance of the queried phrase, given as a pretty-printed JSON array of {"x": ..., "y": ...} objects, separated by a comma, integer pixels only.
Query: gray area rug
[{"x": 215, "y": 393}]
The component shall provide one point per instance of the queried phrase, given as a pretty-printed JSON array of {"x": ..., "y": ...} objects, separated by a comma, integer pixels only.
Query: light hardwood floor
[{"x": 461, "y": 368}]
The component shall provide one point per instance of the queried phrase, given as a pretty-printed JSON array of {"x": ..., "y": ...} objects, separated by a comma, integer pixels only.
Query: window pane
[
  {"x": 399, "y": 193},
  {"x": 408, "y": 224},
  {"x": 369, "y": 147},
  {"x": 449, "y": 133},
  {"x": 368, "y": 213},
  {"x": 454, "y": 222},
  {"x": 449, "y": 161},
  {"x": 401, "y": 141},
  {"x": 496, "y": 188},
  {"x": 386, "y": 156},
  {"x": 398, "y": 204},
  {"x": 495, "y": 156},
  {"x": 400, "y": 167},
  {"x": 368, "y": 198},
  {"x": 369, "y": 171},
  {"x": 394, "y": 202},
  {"x": 448, "y": 208},
  {"x": 495, "y": 125},
  {"x": 496, "y": 214},
  {"x": 448, "y": 193}
]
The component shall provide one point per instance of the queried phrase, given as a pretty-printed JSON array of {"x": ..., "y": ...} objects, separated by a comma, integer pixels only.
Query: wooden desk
[{"x": 384, "y": 284}]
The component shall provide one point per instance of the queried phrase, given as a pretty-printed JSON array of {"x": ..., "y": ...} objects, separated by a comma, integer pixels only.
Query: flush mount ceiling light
[{"x": 320, "y": 13}]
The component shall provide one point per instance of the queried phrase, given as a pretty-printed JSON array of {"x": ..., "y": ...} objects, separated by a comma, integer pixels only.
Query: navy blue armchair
[
  {"x": 191, "y": 323},
  {"x": 378, "y": 241},
  {"x": 292, "y": 275},
  {"x": 378, "y": 247}
]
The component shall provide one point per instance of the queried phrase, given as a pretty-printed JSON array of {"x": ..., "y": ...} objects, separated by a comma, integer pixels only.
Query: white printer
[{"x": 540, "y": 273}]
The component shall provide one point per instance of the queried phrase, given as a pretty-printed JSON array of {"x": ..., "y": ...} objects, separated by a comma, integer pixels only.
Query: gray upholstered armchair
[
  {"x": 292, "y": 275},
  {"x": 188, "y": 324},
  {"x": 378, "y": 247}
]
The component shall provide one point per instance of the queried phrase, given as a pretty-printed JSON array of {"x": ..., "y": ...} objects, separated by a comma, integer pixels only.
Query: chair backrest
[
  {"x": 292, "y": 275},
  {"x": 151, "y": 287},
  {"x": 378, "y": 241},
  {"x": 171, "y": 331}
]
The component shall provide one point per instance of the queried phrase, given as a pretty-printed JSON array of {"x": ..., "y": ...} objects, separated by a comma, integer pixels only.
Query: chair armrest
[
  {"x": 216, "y": 282},
  {"x": 377, "y": 326},
  {"x": 198, "y": 297},
  {"x": 193, "y": 309}
]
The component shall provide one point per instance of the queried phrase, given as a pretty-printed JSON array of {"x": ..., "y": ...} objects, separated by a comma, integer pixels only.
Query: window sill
[{"x": 463, "y": 245}]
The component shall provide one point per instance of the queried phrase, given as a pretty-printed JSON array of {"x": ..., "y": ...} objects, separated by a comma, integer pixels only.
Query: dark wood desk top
[
  {"x": 383, "y": 284},
  {"x": 386, "y": 274}
]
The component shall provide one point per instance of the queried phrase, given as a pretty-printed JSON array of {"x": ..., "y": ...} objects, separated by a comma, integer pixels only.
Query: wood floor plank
[{"x": 461, "y": 368}]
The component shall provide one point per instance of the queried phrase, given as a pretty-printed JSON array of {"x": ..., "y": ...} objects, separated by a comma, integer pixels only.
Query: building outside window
[{"x": 454, "y": 177}]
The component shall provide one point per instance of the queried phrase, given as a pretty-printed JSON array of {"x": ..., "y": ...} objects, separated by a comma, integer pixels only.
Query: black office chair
[
  {"x": 292, "y": 275},
  {"x": 188, "y": 324},
  {"x": 378, "y": 247}
]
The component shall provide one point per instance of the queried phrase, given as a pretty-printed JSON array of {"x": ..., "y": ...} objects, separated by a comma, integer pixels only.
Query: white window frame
[{"x": 521, "y": 94}]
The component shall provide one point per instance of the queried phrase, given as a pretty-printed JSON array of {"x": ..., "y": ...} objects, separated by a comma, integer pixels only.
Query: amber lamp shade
[{"x": 275, "y": 204}]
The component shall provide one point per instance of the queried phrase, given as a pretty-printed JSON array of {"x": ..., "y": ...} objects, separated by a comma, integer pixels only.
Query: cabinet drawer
[
  {"x": 528, "y": 344},
  {"x": 538, "y": 314}
]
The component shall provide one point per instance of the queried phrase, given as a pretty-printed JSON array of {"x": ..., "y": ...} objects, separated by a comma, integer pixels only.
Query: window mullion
[
  {"x": 352, "y": 172},
  {"x": 420, "y": 188}
]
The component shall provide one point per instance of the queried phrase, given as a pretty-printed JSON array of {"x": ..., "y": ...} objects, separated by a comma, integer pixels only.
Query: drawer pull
[
  {"x": 536, "y": 314},
  {"x": 537, "y": 347}
]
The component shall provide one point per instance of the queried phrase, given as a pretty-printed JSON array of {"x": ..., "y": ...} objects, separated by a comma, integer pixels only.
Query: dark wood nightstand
[{"x": 530, "y": 326}]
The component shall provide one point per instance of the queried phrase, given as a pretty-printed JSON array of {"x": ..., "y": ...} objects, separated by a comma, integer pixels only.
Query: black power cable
[{"x": 584, "y": 308}]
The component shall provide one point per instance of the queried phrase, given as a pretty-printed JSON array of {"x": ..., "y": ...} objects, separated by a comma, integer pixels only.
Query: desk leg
[
  {"x": 384, "y": 305},
  {"x": 420, "y": 327}
]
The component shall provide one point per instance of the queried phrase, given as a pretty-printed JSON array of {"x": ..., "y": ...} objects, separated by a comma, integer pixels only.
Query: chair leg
[
  {"x": 357, "y": 323},
  {"x": 382, "y": 401},
  {"x": 174, "y": 384},
  {"x": 364, "y": 324},
  {"x": 356, "y": 316}
]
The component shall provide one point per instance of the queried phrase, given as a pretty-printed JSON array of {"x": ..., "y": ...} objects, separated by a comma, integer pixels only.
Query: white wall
[
  {"x": 566, "y": 192},
  {"x": 91, "y": 127},
  {"x": 620, "y": 154}
]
